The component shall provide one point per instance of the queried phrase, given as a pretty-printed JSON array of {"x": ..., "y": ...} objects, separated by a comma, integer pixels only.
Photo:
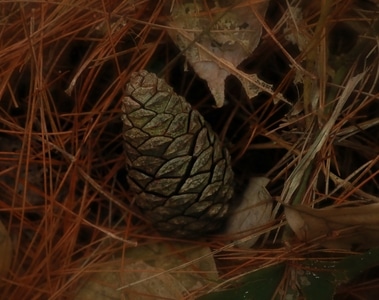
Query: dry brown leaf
[
  {"x": 254, "y": 211},
  {"x": 164, "y": 270},
  {"x": 210, "y": 36},
  {"x": 104, "y": 284},
  {"x": 5, "y": 250},
  {"x": 292, "y": 31},
  {"x": 342, "y": 227},
  {"x": 183, "y": 264}
]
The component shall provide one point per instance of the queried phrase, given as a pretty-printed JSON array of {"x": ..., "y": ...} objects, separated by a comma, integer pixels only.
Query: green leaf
[
  {"x": 322, "y": 278},
  {"x": 311, "y": 280},
  {"x": 259, "y": 285}
]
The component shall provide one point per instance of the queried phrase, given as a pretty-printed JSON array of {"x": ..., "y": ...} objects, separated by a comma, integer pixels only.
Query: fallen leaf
[
  {"x": 193, "y": 266},
  {"x": 339, "y": 227},
  {"x": 104, "y": 284},
  {"x": 291, "y": 30},
  {"x": 209, "y": 37},
  {"x": 253, "y": 212},
  {"x": 162, "y": 270}
]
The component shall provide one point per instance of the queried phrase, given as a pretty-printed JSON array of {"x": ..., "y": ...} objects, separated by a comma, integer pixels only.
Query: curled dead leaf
[
  {"x": 338, "y": 227},
  {"x": 253, "y": 212}
]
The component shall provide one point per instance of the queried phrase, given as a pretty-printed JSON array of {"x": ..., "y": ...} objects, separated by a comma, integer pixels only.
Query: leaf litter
[
  {"x": 254, "y": 211},
  {"x": 168, "y": 270},
  {"x": 216, "y": 40},
  {"x": 336, "y": 227},
  {"x": 93, "y": 173}
]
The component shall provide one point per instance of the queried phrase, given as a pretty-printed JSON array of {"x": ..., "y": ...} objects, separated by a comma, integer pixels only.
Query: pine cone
[{"x": 177, "y": 167}]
